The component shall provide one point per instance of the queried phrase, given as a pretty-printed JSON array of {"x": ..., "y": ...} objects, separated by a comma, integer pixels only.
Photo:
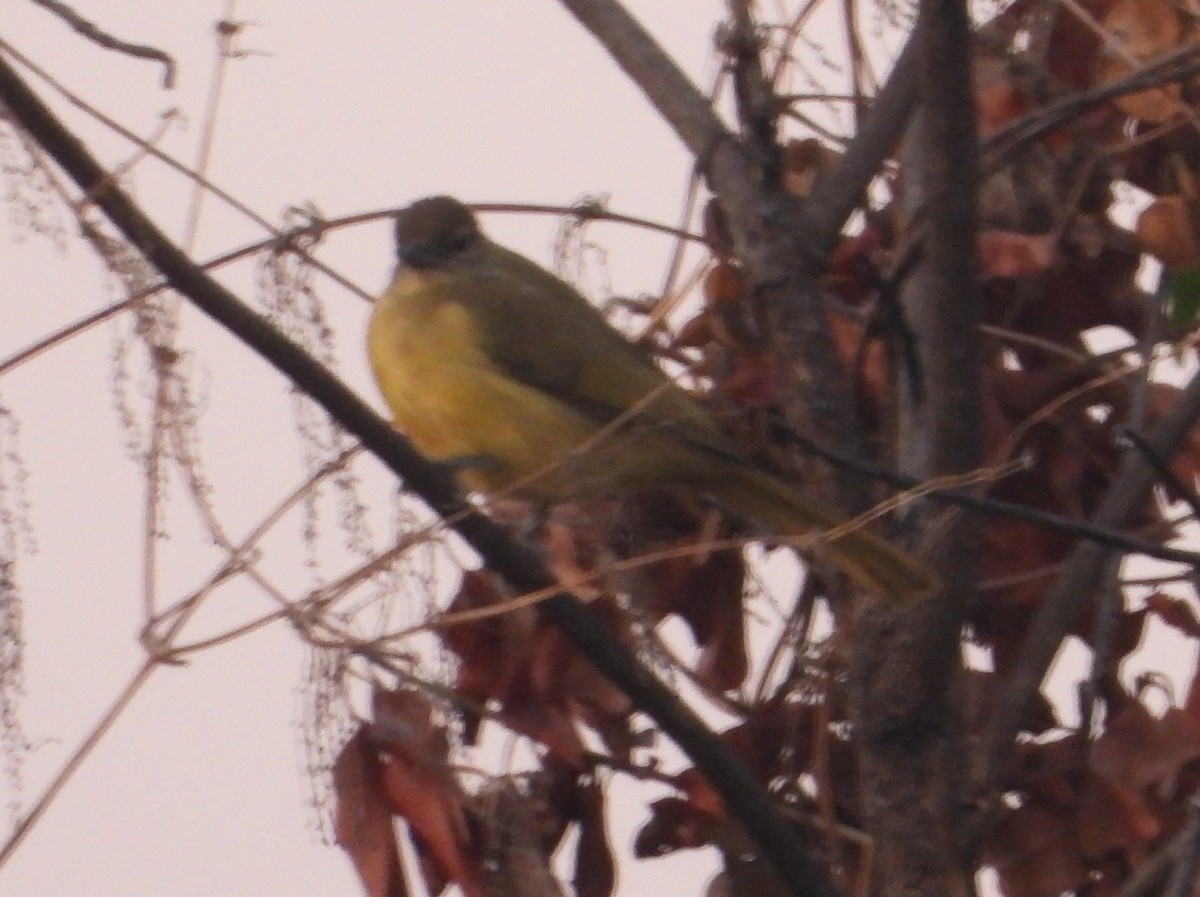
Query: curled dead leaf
[
  {"x": 1141, "y": 31},
  {"x": 1175, "y": 612},
  {"x": 724, "y": 285},
  {"x": 363, "y": 820},
  {"x": 803, "y": 162},
  {"x": 1167, "y": 230},
  {"x": 674, "y": 824}
]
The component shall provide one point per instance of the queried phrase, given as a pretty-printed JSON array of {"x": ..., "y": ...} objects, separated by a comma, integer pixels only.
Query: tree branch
[
  {"x": 1001, "y": 146},
  {"x": 519, "y": 564},
  {"x": 1074, "y": 588},
  {"x": 681, "y": 104},
  {"x": 1047, "y": 520},
  {"x": 905, "y": 668},
  {"x": 741, "y": 42},
  {"x": 97, "y": 35},
  {"x": 940, "y": 431},
  {"x": 839, "y": 192},
  {"x": 770, "y": 230}
]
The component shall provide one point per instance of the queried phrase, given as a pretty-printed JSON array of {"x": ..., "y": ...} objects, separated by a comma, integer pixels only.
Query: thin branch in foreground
[
  {"x": 1082, "y": 529},
  {"x": 180, "y": 167},
  {"x": 519, "y": 564},
  {"x": 1176, "y": 66},
  {"x": 1073, "y": 590},
  {"x": 1170, "y": 479},
  {"x": 97, "y": 36}
]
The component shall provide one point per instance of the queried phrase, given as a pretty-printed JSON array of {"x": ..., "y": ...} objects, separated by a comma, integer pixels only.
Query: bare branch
[
  {"x": 839, "y": 192},
  {"x": 942, "y": 430},
  {"x": 1174, "y": 67},
  {"x": 681, "y": 104},
  {"x": 742, "y": 43},
  {"x": 97, "y": 36},
  {"x": 1057, "y": 523},
  {"x": 1074, "y": 589}
]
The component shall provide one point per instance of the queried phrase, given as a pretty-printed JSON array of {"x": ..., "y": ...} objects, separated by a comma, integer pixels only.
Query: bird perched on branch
[{"x": 492, "y": 364}]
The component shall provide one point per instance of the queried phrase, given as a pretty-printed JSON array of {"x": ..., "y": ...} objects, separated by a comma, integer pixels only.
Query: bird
[{"x": 493, "y": 365}]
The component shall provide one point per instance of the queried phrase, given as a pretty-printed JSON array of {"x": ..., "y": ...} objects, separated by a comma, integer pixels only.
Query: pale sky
[{"x": 352, "y": 106}]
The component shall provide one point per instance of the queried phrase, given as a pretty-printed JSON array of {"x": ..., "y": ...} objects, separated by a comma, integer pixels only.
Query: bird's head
[{"x": 435, "y": 231}]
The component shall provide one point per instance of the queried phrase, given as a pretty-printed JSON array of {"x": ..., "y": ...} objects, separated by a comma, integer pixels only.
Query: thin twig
[
  {"x": 519, "y": 564},
  {"x": 226, "y": 197},
  {"x": 1082, "y": 529},
  {"x": 97, "y": 36},
  {"x": 1000, "y": 146},
  {"x": 209, "y": 129},
  {"x": 76, "y": 760},
  {"x": 1073, "y": 590},
  {"x": 1163, "y": 469}
]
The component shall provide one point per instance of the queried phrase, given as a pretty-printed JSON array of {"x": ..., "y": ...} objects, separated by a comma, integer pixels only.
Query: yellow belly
[{"x": 456, "y": 406}]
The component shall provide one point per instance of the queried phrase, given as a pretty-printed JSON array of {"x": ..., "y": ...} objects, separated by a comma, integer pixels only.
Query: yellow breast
[{"x": 453, "y": 402}]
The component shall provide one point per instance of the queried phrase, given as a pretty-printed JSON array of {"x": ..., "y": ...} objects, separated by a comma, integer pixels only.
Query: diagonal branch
[
  {"x": 835, "y": 195},
  {"x": 982, "y": 504},
  {"x": 681, "y": 104},
  {"x": 94, "y": 33},
  {"x": 520, "y": 565},
  {"x": 1074, "y": 588},
  {"x": 1176, "y": 66}
]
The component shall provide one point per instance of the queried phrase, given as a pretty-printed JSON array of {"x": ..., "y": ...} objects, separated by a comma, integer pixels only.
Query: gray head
[{"x": 433, "y": 231}]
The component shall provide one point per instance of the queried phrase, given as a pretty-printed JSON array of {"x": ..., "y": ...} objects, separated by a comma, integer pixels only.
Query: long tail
[{"x": 866, "y": 558}]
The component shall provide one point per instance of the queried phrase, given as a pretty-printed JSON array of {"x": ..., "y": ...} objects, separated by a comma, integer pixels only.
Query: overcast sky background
[{"x": 351, "y": 106}]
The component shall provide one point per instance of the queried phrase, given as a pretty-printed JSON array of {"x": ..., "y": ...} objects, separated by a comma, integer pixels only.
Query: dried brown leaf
[
  {"x": 674, "y": 824},
  {"x": 595, "y": 873},
  {"x": 1138, "y": 750},
  {"x": 435, "y": 811},
  {"x": 363, "y": 819},
  {"x": 1175, "y": 612},
  {"x": 1034, "y": 853},
  {"x": 1143, "y": 30}
]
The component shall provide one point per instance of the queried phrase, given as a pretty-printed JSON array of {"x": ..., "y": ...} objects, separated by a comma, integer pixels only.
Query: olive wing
[{"x": 543, "y": 333}]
